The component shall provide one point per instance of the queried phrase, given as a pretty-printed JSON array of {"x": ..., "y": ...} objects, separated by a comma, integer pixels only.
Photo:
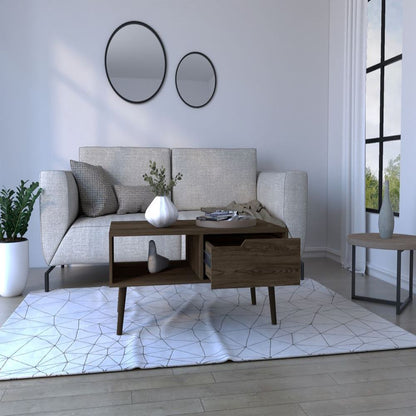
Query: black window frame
[{"x": 381, "y": 139}]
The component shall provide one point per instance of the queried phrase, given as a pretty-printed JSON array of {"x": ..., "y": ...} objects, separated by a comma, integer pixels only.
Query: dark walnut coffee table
[{"x": 261, "y": 255}]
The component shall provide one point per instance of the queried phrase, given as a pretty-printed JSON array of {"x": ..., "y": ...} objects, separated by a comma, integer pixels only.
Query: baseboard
[
  {"x": 381, "y": 273},
  {"x": 315, "y": 252},
  {"x": 310, "y": 252},
  {"x": 333, "y": 255},
  {"x": 386, "y": 275}
]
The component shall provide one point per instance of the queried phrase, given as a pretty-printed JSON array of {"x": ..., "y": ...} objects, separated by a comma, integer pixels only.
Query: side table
[{"x": 398, "y": 242}]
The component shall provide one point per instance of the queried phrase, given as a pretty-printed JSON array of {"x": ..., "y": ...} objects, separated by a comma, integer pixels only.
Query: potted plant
[
  {"x": 16, "y": 207},
  {"x": 161, "y": 212}
]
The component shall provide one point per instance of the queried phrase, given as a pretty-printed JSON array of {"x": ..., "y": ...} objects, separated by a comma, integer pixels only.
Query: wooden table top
[
  {"x": 186, "y": 227},
  {"x": 373, "y": 240}
]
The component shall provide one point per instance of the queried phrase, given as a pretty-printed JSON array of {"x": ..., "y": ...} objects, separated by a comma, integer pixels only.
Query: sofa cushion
[
  {"x": 126, "y": 165},
  {"x": 96, "y": 192},
  {"x": 213, "y": 177},
  {"x": 86, "y": 242},
  {"x": 133, "y": 199}
]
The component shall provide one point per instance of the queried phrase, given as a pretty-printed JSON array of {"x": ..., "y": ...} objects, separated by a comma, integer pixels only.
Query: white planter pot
[
  {"x": 14, "y": 267},
  {"x": 161, "y": 212}
]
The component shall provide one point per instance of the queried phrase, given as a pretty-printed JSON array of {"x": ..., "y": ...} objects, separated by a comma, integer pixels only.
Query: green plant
[
  {"x": 15, "y": 210},
  {"x": 157, "y": 180}
]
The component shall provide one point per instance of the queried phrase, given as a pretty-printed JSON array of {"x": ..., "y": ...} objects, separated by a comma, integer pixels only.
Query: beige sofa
[{"x": 211, "y": 177}]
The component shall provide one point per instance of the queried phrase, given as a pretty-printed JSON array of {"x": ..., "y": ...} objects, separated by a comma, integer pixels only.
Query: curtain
[{"x": 353, "y": 215}]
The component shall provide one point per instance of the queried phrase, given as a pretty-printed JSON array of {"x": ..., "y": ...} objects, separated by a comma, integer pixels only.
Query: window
[{"x": 383, "y": 101}]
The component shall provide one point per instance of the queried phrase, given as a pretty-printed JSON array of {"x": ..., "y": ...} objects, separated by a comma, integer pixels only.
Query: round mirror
[
  {"x": 135, "y": 62},
  {"x": 196, "y": 79}
]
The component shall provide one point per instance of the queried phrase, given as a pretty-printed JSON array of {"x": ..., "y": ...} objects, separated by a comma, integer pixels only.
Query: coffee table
[{"x": 261, "y": 255}]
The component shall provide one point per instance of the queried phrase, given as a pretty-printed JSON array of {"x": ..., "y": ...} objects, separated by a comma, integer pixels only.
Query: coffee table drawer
[{"x": 254, "y": 262}]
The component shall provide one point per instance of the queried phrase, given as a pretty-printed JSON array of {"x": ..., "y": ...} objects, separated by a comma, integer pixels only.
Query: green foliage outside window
[
  {"x": 392, "y": 174},
  {"x": 371, "y": 189}
]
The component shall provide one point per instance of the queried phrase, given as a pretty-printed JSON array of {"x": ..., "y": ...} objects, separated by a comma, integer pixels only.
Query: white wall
[{"x": 271, "y": 58}]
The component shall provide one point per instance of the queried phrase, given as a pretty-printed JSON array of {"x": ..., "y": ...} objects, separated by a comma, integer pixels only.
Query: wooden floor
[{"x": 367, "y": 384}]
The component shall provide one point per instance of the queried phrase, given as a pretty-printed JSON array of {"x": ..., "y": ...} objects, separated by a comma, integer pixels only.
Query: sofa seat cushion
[
  {"x": 213, "y": 177},
  {"x": 86, "y": 242}
]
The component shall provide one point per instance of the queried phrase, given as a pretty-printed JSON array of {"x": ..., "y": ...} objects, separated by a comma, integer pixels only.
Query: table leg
[
  {"x": 353, "y": 273},
  {"x": 411, "y": 275},
  {"x": 399, "y": 280},
  {"x": 253, "y": 295},
  {"x": 272, "y": 300},
  {"x": 120, "y": 309}
]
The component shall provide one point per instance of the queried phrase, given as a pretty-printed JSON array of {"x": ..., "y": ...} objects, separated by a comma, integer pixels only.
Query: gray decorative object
[
  {"x": 132, "y": 199},
  {"x": 96, "y": 191},
  {"x": 155, "y": 262},
  {"x": 386, "y": 217}
]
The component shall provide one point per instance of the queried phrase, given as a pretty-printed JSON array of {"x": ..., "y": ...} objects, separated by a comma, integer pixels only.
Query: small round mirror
[
  {"x": 135, "y": 62},
  {"x": 196, "y": 79}
]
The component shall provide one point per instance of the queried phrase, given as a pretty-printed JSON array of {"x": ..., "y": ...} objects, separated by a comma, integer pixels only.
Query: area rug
[{"x": 73, "y": 331}]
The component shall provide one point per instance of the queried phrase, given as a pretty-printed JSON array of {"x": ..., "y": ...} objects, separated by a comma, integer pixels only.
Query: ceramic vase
[
  {"x": 14, "y": 267},
  {"x": 161, "y": 212},
  {"x": 386, "y": 217}
]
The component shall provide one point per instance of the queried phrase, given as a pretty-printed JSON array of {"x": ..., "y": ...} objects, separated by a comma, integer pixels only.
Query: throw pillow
[
  {"x": 133, "y": 198},
  {"x": 96, "y": 192}
]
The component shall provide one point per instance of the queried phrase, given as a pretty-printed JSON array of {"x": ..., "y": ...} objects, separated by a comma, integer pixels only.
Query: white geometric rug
[{"x": 73, "y": 331}]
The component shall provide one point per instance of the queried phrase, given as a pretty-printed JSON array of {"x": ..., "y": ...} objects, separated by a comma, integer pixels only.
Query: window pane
[
  {"x": 392, "y": 99},
  {"x": 394, "y": 17},
  {"x": 373, "y": 32},
  {"x": 391, "y": 170},
  {"x": 371, "y": 175},
  {"x": 372, "y": 105}
]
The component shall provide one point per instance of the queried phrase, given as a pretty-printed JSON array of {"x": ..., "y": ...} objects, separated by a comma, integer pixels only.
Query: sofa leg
[
  {"x": 47, "y": 278},
  {"x": 302, "y": 270}
]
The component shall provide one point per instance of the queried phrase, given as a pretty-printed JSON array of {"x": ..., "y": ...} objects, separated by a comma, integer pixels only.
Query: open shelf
[{"x": 136, "y": 274}]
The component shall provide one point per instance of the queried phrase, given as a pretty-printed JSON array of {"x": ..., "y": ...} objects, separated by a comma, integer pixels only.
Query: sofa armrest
[
  {"x": 58, "y": 208},
  {"x": 285, "y": 196}
]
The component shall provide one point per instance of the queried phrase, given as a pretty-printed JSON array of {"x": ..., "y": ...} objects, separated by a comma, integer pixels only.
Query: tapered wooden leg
[
  {"x": 120, "y": 309},
  {"x": 253, "y": 295},
  {"x": 272, "y": 300}
]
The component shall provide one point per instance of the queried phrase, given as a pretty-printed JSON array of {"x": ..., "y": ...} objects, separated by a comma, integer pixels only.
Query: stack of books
[{"x": 218, "y": 215}]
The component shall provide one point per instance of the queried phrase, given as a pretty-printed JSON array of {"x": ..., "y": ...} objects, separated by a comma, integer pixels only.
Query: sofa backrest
[
  {"x": 126, "y": 165},
  {"x": 213, "y": 177}
]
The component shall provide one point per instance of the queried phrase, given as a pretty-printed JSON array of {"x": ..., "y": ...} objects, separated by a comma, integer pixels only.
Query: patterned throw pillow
[
  {"x": 133, "y": 198},
  {"x": 96, "y": 192}
]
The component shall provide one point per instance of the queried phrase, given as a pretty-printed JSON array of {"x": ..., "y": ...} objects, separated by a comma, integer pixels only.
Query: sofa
[{"x": 211, "y": 178}]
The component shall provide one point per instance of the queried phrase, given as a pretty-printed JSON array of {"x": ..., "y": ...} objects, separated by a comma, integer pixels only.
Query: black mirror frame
[
  {"x": 164, "y": 56},
  {"x": 215, "y": 77}
]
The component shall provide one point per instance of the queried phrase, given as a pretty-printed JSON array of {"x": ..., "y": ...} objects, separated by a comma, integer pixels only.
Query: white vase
[
  {"x": 386, "y": 216},
  {"x": 14, "y": 267},
  {"x": 161, "y": 212}
]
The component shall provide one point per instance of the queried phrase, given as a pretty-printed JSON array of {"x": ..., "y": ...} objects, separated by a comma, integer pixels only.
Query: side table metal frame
[{"x": 399, "y": 305}]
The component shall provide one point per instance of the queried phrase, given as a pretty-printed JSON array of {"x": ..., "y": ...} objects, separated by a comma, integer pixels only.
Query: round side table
[{"x": 398, "y": 242}]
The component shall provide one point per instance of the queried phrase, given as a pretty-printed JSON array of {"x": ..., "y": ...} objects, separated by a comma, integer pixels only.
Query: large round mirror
[
  {"x": 196, "y": 79},
  {"x": 135, "y": 62}
]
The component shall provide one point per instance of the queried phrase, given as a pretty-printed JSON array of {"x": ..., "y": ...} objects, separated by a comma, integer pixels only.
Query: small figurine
[{"x": 155, "y": 262}]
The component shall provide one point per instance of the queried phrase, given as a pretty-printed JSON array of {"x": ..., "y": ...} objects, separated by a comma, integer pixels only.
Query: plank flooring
[{"x": 366, "y": 384}]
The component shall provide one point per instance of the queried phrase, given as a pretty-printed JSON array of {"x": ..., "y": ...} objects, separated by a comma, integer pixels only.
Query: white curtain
[{"x": 353, "y": 131}]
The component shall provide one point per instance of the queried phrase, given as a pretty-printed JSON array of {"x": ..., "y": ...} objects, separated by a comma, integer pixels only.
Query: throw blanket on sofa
[{"x": 254, "y": 208}]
